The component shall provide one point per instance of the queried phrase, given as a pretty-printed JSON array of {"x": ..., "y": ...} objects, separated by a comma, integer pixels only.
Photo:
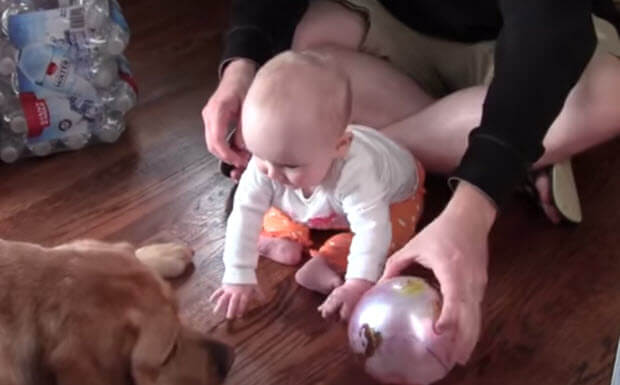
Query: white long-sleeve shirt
[{"x": 357, "y": 192}]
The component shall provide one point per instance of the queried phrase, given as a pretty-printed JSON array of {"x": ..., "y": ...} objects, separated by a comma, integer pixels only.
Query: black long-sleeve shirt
[{"x": 542, "y": 48}]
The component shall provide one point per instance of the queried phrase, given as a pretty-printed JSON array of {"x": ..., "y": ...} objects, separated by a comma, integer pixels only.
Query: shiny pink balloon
[{"x": 391, "y": 328}]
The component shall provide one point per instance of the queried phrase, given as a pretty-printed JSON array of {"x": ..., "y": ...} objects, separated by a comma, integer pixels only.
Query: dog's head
[
  {"x": 197, "y": 360},
  {"x": 166, "y": 353},
  {"x": 137, "y": 308}
]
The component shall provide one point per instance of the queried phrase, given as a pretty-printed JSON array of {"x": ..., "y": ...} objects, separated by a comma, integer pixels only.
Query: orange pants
[{"x": 404, "y": 217}]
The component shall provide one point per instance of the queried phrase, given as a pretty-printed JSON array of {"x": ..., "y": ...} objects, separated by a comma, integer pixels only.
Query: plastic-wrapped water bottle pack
[{"x": 64, "y": 82}]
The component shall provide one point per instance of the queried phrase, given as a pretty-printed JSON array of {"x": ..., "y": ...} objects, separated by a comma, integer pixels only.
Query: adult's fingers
[
  {"x": 449, "y": 330},
  {"x": 217, "y": 139},
  {"x": 235, "y": 174},
  {"x": 237, "y": 140},
  {"x": 470, "y": 332},
  {"x": 397, "y": 263},
  {"x": 218, "y": 117},
  {"x": 449, "y": 316},
  {"x": 462, "y": 319},
  {"x": 455, "y": 291}
]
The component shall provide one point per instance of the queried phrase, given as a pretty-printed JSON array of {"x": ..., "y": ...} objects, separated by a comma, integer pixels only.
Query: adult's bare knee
[
  {"x": 327, "y": 23},
  {"x": 595, "y": 98}
]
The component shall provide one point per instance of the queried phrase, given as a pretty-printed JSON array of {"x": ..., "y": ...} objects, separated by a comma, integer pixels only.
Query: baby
[{"x": 310, "y": 169}]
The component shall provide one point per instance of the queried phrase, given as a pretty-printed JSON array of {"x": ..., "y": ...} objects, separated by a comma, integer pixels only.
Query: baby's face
[
  {"x": 305, "y": 175},
  {"x": 293, "y": 120},
  {"x": 290, "y": 146},
  {"x": 295, "y": 162}
]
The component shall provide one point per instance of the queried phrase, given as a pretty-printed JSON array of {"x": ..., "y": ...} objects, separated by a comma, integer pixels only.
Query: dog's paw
[{"x": 168, "y": 259}]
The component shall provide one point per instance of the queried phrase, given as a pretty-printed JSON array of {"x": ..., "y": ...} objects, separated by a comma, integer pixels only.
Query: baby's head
[{"x": 295, "y": 117}]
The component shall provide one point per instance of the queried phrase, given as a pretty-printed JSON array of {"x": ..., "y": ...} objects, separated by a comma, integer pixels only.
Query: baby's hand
[
  {"x": 344, "y": 298},
  {"x": 234, "y": 299}
]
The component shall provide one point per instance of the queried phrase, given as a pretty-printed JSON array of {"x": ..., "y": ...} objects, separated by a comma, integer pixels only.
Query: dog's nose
[{"x": 224, "y": 357}]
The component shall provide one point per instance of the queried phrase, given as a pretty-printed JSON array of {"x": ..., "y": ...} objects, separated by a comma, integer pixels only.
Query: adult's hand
[
  {"x": 223, "y": 110},
  {"x": 455, "y": 247}
]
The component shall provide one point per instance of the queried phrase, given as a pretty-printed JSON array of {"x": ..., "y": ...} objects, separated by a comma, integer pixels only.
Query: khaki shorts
[{"x": 441, "y": 66}]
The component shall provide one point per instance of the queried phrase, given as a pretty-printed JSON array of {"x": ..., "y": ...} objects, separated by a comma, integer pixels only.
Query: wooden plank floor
[{"x": 552, "y": 310}]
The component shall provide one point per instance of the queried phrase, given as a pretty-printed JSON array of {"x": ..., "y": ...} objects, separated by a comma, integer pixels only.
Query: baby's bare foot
[
  {"x": 280, "y": 250},
  {"x": 316, "y": 275}
]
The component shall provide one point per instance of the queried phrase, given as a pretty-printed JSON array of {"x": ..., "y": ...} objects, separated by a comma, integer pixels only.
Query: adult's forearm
[{"x": 541, "y": 52}]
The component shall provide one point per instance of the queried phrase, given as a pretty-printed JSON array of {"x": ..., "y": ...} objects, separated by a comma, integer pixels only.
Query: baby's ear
[{"x": 344, "y": 143}]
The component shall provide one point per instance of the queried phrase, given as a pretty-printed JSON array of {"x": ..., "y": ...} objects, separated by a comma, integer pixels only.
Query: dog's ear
[
  {"x": 222, "y": 354},
  {"x": 157, "y": 336},
  {"x": 197, "y": 360}
]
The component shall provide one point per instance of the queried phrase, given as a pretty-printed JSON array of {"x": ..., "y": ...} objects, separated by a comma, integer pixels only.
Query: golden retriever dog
[{"x": 97, "y": 313}]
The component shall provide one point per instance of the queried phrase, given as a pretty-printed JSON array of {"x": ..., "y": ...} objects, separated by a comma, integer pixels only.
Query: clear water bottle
[
  {"x": 4, "y": 4},
  {"x": 101, "y": 70},
  {"x": 60, "y": 3},
  {"x": 15, "y": 119},
  {"x": 78, "y": 140},
  {"x": 15, "y": 8},
  {"x": 51, "y": 67},
  {"x": 84, "y": 108},
  {"x": 104, "y": 71},
  {"x": 11, "y": 145},
  {"x": 108, "y": 31},
  {"x": 120, "y": 97},
  {"x": 112, "y": 126},
  {"x": 76, "y": 87},
  {"x": 42, "y": 148},
  {"x": 97, "y": 12},
  {"x": 8, "y": 58},
  {"x": 116, "y": 39},
  {"x": 69, "y": 121},
  {"x": 11, "y": 110}
]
